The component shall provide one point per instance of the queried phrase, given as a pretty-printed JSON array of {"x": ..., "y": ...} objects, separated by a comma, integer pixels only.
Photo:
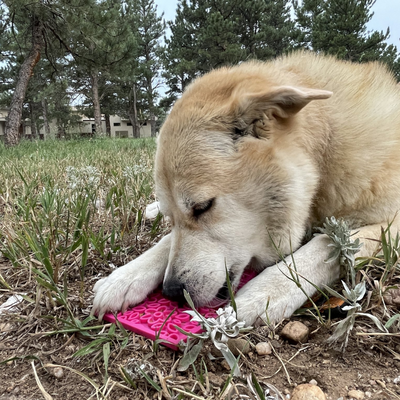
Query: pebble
[
  {"x": 57, "y": 372},
  {"x": 368, "y": 394},
  {"x": 238, "y": 345},
  {"x": 306, "y": 391},
  {"x": 296, "y": 332},
  {"x": 356, "y": 394},
  {"x": 313, "y": 382},
  {"x": 263, "y": 348}
]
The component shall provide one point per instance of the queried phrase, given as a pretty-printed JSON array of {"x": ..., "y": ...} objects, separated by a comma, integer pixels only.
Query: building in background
[{"x": 120, "y": 127}]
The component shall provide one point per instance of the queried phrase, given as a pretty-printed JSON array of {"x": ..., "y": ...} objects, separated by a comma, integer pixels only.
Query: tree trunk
[
  {"x": 132, "y": 114},
  {"x": 45, "y": 118},
  {"x": 60, "y": 130},
  {"x": 108, "y": 124},
  {"x": 11, "y": 135},
  {"x": 153, "y": 125},
  {"x": 33, "y": 121},
  {"x": 96, "y": 104}
]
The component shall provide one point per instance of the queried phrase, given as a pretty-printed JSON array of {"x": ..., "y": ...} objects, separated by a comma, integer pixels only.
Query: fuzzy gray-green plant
[
  {"x": 219, "y": 330},
  {"x": 345, "y": 249}
]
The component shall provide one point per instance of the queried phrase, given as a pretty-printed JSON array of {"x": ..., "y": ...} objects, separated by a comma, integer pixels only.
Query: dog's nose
[{"x": 173, "y": 290}]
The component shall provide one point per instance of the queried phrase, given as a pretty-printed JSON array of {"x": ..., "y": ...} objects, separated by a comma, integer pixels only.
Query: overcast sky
[{"x": 386, "y": 14}]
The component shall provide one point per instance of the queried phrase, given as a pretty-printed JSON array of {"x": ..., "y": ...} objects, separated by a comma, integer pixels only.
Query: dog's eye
[
  {"x": 238, "y": 132},
  {"x": 201, "y": 208}
]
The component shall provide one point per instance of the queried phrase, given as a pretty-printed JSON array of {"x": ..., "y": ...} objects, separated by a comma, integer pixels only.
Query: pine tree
[
  {"x": 151, "y": 28},
  {"x": 102, "y": 45},
  {"x": 207, "y": 34},
  {"x": 181, "y": 53},
  {"x": 339, "y": 27},
  {"x": 265, "y": 27},
  {"x": 203, "y": 37}
]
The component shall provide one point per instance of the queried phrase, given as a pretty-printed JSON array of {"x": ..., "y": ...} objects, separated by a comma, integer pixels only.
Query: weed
[
  {"x": 344, "y": 249},
  {"x": 218, "y": 329}
]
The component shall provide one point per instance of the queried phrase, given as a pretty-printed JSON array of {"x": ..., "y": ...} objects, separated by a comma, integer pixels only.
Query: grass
[
  {"x": 70, "y": 211},
  {"x": 61, "y": 201},
  {"x": 67, "y": 209}
]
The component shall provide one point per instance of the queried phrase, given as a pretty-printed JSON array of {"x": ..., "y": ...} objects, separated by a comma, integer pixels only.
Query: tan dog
[{"x": 261, "y": 151}]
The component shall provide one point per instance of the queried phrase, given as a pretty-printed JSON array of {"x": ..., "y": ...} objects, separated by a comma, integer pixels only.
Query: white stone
[
  {"x": 306, "y": 391},
  {"x": 263, "y": 348},
  {"x": 356, "y": 394}
]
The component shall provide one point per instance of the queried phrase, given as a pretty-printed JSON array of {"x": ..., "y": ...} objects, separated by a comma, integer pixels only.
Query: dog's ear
[{"x": 256, "y": 111}]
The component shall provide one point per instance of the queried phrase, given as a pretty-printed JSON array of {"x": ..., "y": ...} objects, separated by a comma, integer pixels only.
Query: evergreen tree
[
  {"x": 181, "y": 52},
  {"x": 207, "y": 34},
  {"x": 151, "y": 28},
  {"x": 265, "y": 28},
  {"x": 339, "y": 27},
  {"x": 33, "y": 30},
  {"x": 102, "y": 45}
]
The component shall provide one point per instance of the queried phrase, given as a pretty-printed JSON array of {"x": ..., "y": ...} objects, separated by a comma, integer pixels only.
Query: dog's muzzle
[{"x": 173, "y": 290}]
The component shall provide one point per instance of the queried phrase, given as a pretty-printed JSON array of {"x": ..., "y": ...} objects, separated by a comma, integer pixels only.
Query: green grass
[
  {"x": 68, "y": 209},
  {"x": 69, "y": 204}
]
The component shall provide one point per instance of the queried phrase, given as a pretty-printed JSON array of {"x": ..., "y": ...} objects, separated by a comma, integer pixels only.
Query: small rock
[
  {"x": 57, "y": 372},
  {"x": 10, "y": 388},
  {"x": 368, "y": 394},
  {"x": 313, "y": 382},
  {"x": 306, "y": 391},
  {"x": 238, "y": 345},
  {"x": 263, "y": 348},
  {"x": 296, "y": 332},
  {"x": 356, "y": 394}
]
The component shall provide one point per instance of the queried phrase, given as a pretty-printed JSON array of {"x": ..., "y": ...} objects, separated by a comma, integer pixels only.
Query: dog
[{"x": 250, "y": 158}]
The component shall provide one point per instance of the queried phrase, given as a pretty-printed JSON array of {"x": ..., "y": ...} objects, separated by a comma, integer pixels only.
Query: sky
[{"x": 386, "y": 14}]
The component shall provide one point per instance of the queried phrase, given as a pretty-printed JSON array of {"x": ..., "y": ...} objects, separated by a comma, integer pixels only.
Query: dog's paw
[
  {"x": 259, "y": 310},
  {"x": 266, "y": 301},
  {"x": 126, "y": 286}
]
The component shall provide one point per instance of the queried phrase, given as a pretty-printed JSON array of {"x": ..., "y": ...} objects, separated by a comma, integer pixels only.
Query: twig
[
  {"x": 283, "y": 365},
  {"x": 163, "y": 385},
  {"x": 188, "y": 394},
  {"x": 290, "y": 359},
  {"x": 44, "y": 393},
  {"x": 377, "y": 334}
]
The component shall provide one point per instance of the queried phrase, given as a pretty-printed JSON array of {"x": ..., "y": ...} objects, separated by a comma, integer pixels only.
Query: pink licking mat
[{"x": 148, "y": 317}]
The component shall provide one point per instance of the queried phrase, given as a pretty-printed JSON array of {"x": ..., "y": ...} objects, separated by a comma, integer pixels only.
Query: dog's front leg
[
  {"x": 274, "y": 288},
  {"x": 131, "y": 283},
  {"x": 272, "y": 295}
]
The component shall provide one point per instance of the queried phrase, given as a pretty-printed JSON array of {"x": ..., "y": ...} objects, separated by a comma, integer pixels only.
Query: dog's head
[{"x": 232, "y": 177}]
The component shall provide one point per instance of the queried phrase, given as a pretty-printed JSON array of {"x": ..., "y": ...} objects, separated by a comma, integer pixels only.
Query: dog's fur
[{"x": 254, "y": 155}]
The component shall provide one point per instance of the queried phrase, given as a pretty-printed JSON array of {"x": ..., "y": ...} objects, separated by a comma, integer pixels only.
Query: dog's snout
[{"x": 173, "y": 290}]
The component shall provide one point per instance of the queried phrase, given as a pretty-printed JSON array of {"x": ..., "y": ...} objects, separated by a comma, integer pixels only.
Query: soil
[{"x": 369, "y": 364}]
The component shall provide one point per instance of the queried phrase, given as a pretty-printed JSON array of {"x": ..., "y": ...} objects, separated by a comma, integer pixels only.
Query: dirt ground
[{"x": 370, "y": 364}]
